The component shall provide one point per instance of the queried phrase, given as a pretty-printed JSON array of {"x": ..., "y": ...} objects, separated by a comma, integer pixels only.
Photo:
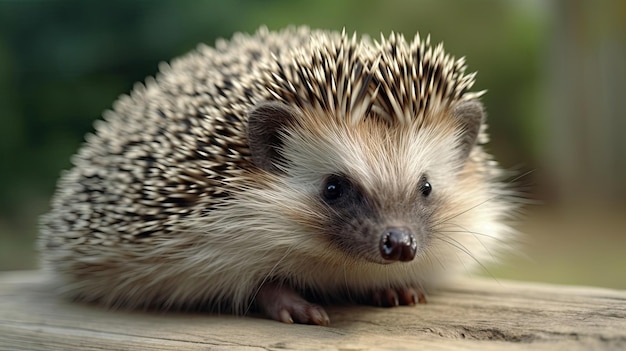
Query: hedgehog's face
[{"x": 372, "y": 189}]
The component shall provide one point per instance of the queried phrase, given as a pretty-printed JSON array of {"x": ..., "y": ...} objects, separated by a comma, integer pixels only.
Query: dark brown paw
[
  {"x": 391, "y": 297},
  {"x": 283, "y": 304}
]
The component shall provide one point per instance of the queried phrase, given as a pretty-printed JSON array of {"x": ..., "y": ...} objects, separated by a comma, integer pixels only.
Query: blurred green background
[{"x": 554, "y": 70}]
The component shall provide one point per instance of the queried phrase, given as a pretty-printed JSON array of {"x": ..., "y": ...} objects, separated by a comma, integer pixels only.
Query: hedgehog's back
[{"x": 163, "y": 153}]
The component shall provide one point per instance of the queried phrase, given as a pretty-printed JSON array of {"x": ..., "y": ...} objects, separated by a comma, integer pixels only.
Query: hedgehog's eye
[
  {"x": 334, "y": 187},
  {"x": 425, "y": 187}
]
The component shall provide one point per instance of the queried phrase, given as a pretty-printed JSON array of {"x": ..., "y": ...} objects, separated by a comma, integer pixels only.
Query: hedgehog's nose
[{"x": 398, "y": 244}]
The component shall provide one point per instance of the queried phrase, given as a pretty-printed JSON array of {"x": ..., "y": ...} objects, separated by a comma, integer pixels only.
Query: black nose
[{"x": 398, "y": 244}]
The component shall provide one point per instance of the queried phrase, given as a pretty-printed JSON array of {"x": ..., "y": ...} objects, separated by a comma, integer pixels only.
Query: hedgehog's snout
[{"x": 398, "y": 244}]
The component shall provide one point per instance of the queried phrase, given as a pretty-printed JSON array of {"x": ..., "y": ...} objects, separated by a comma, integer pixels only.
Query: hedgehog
[{"x": 278, "y": 172}]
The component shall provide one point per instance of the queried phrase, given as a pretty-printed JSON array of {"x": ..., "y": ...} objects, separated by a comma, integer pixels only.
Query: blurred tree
[{"x": 586, "y": 125}]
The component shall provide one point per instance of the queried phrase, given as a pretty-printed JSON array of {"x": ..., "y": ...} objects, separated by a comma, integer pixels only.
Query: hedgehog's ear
[
  {"x": 265, "y": 122},
  {"x": 470, "y": 114}
]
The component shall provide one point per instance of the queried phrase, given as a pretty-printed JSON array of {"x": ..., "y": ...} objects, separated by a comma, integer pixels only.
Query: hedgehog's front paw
[
  {"x": 283, "y": 304},
  {"x": 390, "y": 297}
]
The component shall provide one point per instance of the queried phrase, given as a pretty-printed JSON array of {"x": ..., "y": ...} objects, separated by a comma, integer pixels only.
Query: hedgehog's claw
[
  {"x": 285, "y": 305},
  {"x": 390, "y": 297}
]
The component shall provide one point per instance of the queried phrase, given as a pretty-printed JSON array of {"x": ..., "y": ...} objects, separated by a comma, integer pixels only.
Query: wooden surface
[{"x": 480, "y": 314}]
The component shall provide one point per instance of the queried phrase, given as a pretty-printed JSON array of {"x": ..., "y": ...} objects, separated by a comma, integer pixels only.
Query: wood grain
[{"x": 474, "y": 313}]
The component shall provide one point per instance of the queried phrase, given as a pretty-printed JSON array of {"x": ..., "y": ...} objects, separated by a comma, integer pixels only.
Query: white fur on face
[{"x": 388, "y": 163}]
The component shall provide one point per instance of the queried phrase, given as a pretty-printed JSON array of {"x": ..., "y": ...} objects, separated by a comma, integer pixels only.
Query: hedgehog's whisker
[
  {"x": 458, "y": 245},
  {"x": 345, "y": 277},
  {"x": 427, "y": 253},
  {"x": 453, "y": 216},
  {"x": 266, "y": 278},
  {"x": 495, "y": 196},
  {"x": 463, "y": 230},
  {"x": 475, "y": 235}
]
